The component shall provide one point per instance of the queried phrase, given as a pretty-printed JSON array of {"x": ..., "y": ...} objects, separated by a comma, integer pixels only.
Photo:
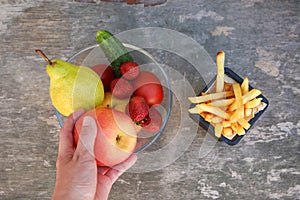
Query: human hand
[{"x": 77, "y": 174}]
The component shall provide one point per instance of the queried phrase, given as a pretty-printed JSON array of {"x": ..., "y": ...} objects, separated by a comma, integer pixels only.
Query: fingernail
[{"x": 87, "y": 121}]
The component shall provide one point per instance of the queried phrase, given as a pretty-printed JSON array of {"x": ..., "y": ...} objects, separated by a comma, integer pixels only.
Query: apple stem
[{"x": 44, "y": 56}]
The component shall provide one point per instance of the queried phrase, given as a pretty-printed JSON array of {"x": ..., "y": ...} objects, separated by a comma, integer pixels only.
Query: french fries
[
  {"x": 239, "y": 101},
  {"x": 222, "y": 102},
  {"x": 220, "y": 74},
  {"x": 216, "y": 120},
  {"x": 245, "y": 86},
  {"x": 211, "y": 97},
  {"x": 230, "y": 107},
  {"x": 218, "y": 130},
  {"x": 253, "y": 103},
  {"x": 213, "y": 110}
]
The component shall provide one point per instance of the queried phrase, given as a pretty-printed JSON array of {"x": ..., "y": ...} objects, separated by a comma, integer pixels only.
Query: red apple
[
  {"x": 116, "y": 137},
  {"x": 106, "y": 73}
]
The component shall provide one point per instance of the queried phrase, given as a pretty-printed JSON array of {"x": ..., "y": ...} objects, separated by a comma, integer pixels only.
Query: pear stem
[{"x": 44, "y": 56}]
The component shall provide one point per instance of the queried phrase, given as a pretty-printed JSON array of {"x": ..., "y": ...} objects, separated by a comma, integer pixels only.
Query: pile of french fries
[{"x": 229, "y": 106}]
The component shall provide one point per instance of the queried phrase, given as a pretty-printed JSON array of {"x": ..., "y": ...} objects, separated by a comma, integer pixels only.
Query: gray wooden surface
[{"x": 262, "y": 41}]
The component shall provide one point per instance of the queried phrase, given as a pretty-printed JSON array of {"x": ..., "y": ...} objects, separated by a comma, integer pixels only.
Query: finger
[
  {"x": 115, "y": 172},
  {"x": 66, "y": 145},
  {"x": 87, "y": 136},
  {"x": 103, "y": 188}
]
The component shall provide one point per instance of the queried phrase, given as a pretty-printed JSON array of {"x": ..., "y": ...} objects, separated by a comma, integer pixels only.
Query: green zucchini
[{"x": 113, "y": 49}]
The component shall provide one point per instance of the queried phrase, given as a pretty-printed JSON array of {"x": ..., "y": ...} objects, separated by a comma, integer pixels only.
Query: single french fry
[
  {"x": 211, "y": 97},
  {"x": 238, "y": 99},
  {"x": 237, "y": 93},
  {"x": 217, "y": 120},
  {"x": 244, "y": 123},
  {"x": 220, "y": 71},
  {"x": 227, "y": 86},
  {"x": 251, "y": 95},
  {"x": 222, "y": 102},
  {"x": 253, "y": 103},
  {"x": 245, "y": 86},
  {"x": 214, "y": 110},
  {"x": 203, "y": 93},
  {"x": 226, "y": 123},
  {"x": 227, "y": 132},
  {"x": 218, "y": 130},
  {"x": 195, "y": 110}
]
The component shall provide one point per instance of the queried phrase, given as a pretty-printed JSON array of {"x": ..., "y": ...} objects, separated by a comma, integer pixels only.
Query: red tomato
[
  {"x": 130, "y": 70},
  {"x": 106, "y": 73},
  {"x": 147, "y": 85}
]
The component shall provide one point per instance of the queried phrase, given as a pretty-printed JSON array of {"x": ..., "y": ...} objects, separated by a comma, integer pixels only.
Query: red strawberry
[
  {"x": 138, "y": 108},
  {"x": 121, "y": 88},
  {"x": 155, "y": 121},
  {"x": 130, "y": 70}
]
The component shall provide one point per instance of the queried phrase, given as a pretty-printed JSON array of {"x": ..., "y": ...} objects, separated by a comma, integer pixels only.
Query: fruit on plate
[
  {"x": 113, "y": 102},
  {"x": 154, "y": 122},
  {"x": 114, "y": 50},
  {"x": 121, "y": 88},
  {"x": 138, "y": 108},
  {"x": 147, "y": 85},
  {"x": 106, "y": 74},
  {"x": 73, "y": 87},
  {"x": 130, "y": 70},
  {"x": 116, "y": 136}
]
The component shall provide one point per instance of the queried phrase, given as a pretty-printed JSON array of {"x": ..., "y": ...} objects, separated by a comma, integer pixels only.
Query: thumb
[{"x": 87, "y": 136}]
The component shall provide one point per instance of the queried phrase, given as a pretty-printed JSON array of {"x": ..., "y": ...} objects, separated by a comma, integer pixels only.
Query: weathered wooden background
[{"x": 262, "y": 41}]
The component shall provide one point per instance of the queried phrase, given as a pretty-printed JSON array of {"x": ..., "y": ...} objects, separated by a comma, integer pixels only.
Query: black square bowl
[{"x": 206, "y": 125}]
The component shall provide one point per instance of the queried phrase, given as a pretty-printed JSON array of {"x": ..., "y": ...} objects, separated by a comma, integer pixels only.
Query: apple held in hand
[
  {"x": 106, "y": 73},
  {"x": 116, "y": 136}
]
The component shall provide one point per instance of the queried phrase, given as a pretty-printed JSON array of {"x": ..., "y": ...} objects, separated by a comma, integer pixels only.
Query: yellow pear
[{"x": 73, "y": 87}]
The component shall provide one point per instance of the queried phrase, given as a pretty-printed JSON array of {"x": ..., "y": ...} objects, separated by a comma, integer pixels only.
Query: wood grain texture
[{"x": 261, "y": 41}]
